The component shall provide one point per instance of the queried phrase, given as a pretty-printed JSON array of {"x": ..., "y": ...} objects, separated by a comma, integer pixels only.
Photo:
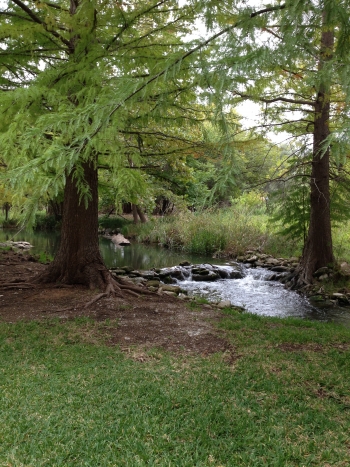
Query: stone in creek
[
  {"x": 342, "y": 299},
  {"x": 150, "y": 275},
  {"x": 200, "y": 271},
  {"x": 210, "y": 277},
  {"x": 120, "y": 240},
  {"x": 185, "y": 263}
]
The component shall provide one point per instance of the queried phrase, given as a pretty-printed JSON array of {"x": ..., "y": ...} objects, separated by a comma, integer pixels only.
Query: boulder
[
  {"x": 224, "y": 304},
  {"x": 341, "y": 298},
  {"x": 272, "y": 262},
  {"x": 345, "y": 269},
  {"x": 170, "y": 288},
  {"x": 120, "y": 240},
  {"x": 321, "y": 271},
  {"x": 153, "y": 283},
  {"x": 209, "y": 277},
  {"x": 280, "y": 269}
]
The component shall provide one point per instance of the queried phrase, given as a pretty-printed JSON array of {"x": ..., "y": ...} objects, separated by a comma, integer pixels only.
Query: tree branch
[
  {"x": 275, "y": 99},
  {"x": 38, "y": 20},
  {"x": 180, "y": 59}
]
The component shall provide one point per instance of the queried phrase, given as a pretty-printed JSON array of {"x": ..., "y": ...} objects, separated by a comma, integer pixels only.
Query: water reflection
[
  {"x": 140, "y": 256},
  {"x": 42, "y": 241}
]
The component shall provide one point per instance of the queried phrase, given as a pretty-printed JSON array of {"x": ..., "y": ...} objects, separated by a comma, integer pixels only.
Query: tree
[
  {"x": 294, "y": 61},
  {"x": 92, "y": 64}
]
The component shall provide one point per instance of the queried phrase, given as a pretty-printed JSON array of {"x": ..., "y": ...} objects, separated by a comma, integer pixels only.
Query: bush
[
  {"x": 10, "y": 224},
  {"x": 46, "y": 223},
  {"x": 114, "y": 223}
]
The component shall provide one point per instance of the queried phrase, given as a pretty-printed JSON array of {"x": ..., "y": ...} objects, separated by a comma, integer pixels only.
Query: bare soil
[{"x": 146, "y": 321}]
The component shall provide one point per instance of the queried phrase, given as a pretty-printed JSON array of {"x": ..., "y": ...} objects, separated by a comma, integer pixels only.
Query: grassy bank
[
  {"x": 221, "y": 232},
  {"x": 69, "y": 400},
  {"x": 229, "y": 232}
]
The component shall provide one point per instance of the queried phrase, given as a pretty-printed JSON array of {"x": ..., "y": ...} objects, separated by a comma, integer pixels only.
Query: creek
[{"x": 256, "y": 294}]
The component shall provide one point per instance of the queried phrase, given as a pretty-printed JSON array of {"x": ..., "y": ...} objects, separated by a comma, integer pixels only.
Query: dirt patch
[{"x": 147, "y": 321}]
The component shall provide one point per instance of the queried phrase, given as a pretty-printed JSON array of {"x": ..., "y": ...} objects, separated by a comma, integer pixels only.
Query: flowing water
[
  {"x": 263, "y": 297},
  {"x": 253, "y": 292}
]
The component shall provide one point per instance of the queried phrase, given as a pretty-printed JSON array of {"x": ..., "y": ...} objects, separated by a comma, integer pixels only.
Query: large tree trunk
[
  {"x": 78, "y": 260},
  {"x": 318, "y": 249}
]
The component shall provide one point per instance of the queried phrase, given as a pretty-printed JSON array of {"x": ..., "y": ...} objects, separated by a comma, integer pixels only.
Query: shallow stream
[{"x": 253, "y": 292}]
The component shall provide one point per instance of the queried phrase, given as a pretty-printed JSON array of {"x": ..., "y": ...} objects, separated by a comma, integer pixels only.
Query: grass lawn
[{"x": 67, "y": 399}]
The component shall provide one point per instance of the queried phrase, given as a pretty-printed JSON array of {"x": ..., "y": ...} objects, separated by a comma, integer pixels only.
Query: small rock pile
[{"x": 20, "y": 245}]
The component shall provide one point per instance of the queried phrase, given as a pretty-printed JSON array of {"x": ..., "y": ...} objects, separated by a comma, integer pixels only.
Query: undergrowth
[{"x": 225, "y": 232}]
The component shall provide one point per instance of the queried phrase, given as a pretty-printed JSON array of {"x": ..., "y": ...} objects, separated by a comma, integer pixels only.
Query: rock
[
  {"x": 321, "y": 271},
  {"x": 182, "y": 296},
  {"x": 138, "y": 280},
  {"x": 272, "y": 261},
  {"x": 280, "y": 269},
  {"x": 172, "y": 294},
  {"x": 200, "y": 271},
  {"x": 120, "y": 240},
  {"x": 153, "y": 283},
  {"x": 170, "y": 288},
  {"x": 210, "y": 277},
  {"x": 22, "y": 245},
  {"x": 127, "y": 269},
  {"x": 224, "y": 304},
  {"x": 323, "y": 277},
  {"x": 118, "y": 272},
  {"x": 345, "y": 269},
  {"x": 185, "y": 263},
  {"x": 252, "y": 259},
  {"x": 150, "y": 275},
  {"x": 342, "y": 299}
]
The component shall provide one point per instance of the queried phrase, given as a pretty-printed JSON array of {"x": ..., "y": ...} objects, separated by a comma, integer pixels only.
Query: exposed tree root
[
  {"x": 96, "y": 299},
  {"x": 16, "y": 285},
  {"x": 131, "y": 292}
]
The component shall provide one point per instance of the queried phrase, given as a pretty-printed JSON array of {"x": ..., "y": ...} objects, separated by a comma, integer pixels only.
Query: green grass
[{"x": 66, "y": 399}]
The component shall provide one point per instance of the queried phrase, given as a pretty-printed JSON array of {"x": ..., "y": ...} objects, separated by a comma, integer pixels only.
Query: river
[{"x": 253, "y": 292}]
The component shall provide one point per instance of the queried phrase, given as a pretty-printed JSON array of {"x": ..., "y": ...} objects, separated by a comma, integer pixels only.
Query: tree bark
[
  {"x": 141, "y": 215},
  {"x": 318, "y": 248},
  {"x": 78, "y": 260},
  {"x": 135, "y": 213}
]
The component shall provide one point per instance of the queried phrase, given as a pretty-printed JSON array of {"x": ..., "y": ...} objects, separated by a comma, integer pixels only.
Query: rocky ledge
[{"x": 166, "y": 281}]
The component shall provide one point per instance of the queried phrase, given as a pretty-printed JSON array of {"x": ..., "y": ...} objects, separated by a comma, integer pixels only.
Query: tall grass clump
[{"x": 223, "y": 232}]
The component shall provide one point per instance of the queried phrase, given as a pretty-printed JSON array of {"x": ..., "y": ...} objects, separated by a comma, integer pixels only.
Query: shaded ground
[{"x": 147, "y": 321}]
